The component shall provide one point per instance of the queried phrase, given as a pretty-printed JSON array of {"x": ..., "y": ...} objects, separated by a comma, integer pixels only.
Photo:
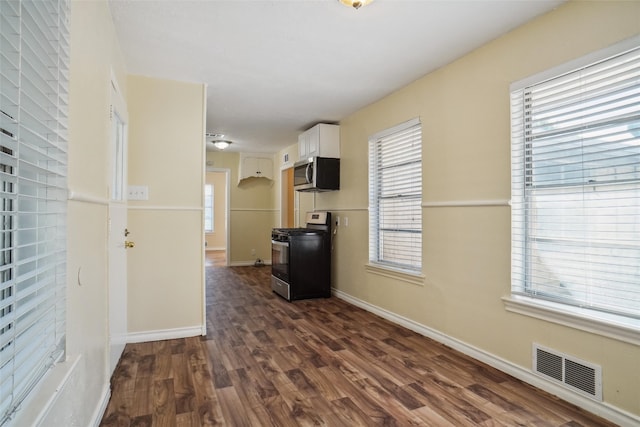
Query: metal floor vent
[{"x": 578, "y": 375}]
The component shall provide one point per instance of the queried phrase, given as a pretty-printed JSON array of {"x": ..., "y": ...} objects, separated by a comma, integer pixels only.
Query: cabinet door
[
  {"x": 322, "y": 140},
  {"x": 265, "y": 168},
  {"x": 250, "y": 167},
  {"x": 303, "y": 147},
  {"x": 259, "y": 167},
  {"x": 313, "y": 141}
]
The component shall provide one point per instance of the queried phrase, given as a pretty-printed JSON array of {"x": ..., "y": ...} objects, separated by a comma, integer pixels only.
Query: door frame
[
  {"x": 227, "y": 208},
  {"x": 284, "y": 198},
  {"x": 116, "y": 339}
]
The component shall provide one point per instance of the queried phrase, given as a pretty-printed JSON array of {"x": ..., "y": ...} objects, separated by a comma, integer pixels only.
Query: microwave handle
[{"x": 308, "y": 172}]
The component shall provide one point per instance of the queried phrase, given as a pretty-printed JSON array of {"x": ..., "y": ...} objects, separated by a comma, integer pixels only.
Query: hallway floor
[{"x": 268, "y": 362}]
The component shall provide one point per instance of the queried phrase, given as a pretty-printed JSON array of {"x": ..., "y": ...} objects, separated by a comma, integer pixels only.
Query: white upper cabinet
[
  {"x": 322, "y": 140},
  {"x": 255, "y": 166}
]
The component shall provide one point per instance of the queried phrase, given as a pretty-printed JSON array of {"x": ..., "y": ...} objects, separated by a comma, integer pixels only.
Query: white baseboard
[
  {"x": 115, "y": 353},
  {"x": 102, "y": 406},
  {"x": 166, "y": 334},
  {"x": 241, "y": 263},
  {"x": 248, "y": 263},
  {"x": 118, "y": 338},
  {"x": 603, "y": 409}
]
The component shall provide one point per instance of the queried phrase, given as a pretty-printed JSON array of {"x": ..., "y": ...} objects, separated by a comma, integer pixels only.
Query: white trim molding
[
  {"x": 254, "y": 210},
  {"x": 165, "y": 208},
  {"x": 165, "y": 334},
  {"x": 251, "y": 263},
  {"x": 119, "y": 339},
  {"x": 466, "y": 203},
  {"x": 397, "y": 128},
  {"x": 403, "y": 275},
  {"x": 608, "y": 325},
  {"x": 227, "y": 216},
  {"x": 599, "y": 55},
  {"x": 86, "y": 198},
  {"x": 350, "y": 210},
  {"x": 602, "y": 409},
  {"x": 96, "y": 419}
]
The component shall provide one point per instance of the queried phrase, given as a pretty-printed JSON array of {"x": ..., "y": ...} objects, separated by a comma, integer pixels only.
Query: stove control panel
[{"x": 321, "y": 218}]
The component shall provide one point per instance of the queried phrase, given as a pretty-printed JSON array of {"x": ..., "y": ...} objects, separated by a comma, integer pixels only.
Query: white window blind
[
  {"x": 576, "y": 187},
  {"x": 34, "y": 52},
  {"x": 208, "y": 208},
  {"x": 395, "y": 197}
]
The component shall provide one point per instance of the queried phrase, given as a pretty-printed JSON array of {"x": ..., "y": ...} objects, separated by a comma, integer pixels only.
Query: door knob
[{"x": 128, "y": 244}]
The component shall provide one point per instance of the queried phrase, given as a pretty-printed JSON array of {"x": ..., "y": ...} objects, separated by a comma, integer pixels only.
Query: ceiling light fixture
[
  {"x": 356, "y": 4},
  {"x": 218, "y": 141},
  {"x": 221, "y": 144}
]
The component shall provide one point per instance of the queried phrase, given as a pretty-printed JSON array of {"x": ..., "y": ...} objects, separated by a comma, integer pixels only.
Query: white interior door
[{"x": 119, "y": 240}]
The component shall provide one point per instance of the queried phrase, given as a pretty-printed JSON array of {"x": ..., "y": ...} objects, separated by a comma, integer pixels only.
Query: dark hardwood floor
[{"x": 268, "y": 362}]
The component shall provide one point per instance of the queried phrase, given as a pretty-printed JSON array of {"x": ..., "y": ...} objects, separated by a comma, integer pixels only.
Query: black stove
[
  {"x": 301, "y": 259},
  {"x": 282, "y": 234}
]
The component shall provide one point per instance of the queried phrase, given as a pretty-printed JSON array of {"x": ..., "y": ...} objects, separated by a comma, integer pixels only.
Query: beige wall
[
  {"x": 166, "y": 269},
  {"x": 166, "y": 153},
  {"x": 464, "y": 108},
  {"x": 218, "y": 238},
  {"x": 252, "y": 208},
  {"x": 94, "y": 54},
  {"x": 466, "y": 250}
]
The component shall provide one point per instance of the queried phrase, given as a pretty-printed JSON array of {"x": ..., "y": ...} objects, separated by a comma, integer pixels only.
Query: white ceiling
[{"x": 273, "y": 68}]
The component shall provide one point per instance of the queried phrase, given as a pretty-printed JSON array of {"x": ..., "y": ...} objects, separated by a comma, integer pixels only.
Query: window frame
[
  {"x": 377, "y": 264},
  {"x": 620, "y": 327},
  {"x": 211, "y": 208}
]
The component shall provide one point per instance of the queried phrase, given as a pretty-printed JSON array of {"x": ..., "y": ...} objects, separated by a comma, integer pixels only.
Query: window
[
  {"x": 395, "y": 197},
  {"x": 576, "y": 187},
  {"x": 119, "y": 150},
  {"x": 208, "y": 208},
  {"x": 34, "y": 69}
]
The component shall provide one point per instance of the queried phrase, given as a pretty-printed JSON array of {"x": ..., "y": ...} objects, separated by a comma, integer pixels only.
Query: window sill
[
  {"x": 36, "y": 406},
  {"x": 396, "y": 273},
  {"x": 608, "y": 325}
]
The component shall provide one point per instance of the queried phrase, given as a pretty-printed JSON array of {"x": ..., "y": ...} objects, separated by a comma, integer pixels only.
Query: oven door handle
[{"x": 276, "y": 243}]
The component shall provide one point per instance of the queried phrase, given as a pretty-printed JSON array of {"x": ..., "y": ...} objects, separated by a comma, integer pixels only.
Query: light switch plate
[{"x": 138, "y": 192}]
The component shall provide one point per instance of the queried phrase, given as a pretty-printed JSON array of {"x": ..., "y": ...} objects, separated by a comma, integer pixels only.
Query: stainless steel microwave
[{"x": 317, "y": 174}]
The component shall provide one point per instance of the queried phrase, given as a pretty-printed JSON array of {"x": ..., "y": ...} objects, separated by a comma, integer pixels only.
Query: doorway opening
[
  {"x": 287, "y": 199},
  {"x": 216, "y": 223}
]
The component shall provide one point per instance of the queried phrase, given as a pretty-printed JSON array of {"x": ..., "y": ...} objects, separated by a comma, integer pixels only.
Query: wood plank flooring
[
  {"x": 320, "y": 362},
  {"x": 215, "y": 258}
]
